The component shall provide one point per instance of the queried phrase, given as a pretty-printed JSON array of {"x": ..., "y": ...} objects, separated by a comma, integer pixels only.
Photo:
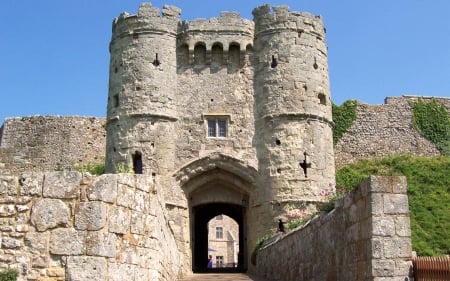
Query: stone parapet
[
  {"x": 366, "y": 237},
  {"x": 72, "y": 226}
]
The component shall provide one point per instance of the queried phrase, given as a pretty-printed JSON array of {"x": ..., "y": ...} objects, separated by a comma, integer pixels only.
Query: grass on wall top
[{"x": 428, "y": 194}]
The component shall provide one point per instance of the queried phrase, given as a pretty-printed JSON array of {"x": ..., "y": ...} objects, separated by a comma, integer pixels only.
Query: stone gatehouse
[{"x": 229, "y": 116}]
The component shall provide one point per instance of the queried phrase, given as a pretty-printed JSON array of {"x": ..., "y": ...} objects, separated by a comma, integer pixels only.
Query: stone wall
[
  {"x": 72, "y": 226},
  {"x": 366, "y": 237},
  {"x": 49, "y": 143},
  {"x": 384, "y": 130}
]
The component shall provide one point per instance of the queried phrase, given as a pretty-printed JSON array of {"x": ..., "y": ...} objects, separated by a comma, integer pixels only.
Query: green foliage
[
  {"x": 432, "y": 121},
  {"x": 93, "y": 169},
  {"x": 293, "y": 224},
  {"x": 122, "y": 168},
  {"x": 258, "y": 245},
  {"x": 428, "y": 193},
  {"x": 9, "y": 275},
  {"x": 343, "y": 117},
  {"x": 329, "y": 206}
]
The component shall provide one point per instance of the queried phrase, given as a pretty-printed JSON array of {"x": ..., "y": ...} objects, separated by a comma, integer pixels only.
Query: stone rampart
[
  {"x": 384, "y": 130},
  {"x": 366, "y": 237},
  {"x": 49, "y": 143},
  {"x": 73, "y": 226}
]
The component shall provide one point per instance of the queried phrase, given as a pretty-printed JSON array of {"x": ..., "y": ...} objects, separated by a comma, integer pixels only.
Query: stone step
[{"x": 221, "y": 277}]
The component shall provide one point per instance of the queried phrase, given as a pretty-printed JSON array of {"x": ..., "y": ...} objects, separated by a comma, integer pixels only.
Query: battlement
[
  {"x": 280, "y": 17},
  {"x": 148, "y": 18}
]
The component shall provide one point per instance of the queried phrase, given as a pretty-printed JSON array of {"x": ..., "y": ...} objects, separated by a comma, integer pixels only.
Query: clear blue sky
[{"x": 54, "y": 55}]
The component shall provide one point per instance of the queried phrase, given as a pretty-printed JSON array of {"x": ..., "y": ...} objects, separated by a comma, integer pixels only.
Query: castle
[
  {"x": 229, "y": 116},
  {"x": 220, "y": 116}
]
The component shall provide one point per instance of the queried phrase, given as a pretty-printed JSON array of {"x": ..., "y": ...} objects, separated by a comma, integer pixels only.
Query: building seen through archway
[{"x": 223, "y": 242}]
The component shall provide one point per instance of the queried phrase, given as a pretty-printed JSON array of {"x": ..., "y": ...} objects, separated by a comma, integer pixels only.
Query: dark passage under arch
[{"x": 201, "y": 216}]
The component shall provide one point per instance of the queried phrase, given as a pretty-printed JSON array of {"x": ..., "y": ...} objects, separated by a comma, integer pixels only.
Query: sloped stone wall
[
  {"x": 366, "y": 237},
  {"x": 384, "y": 130},
  {"x": 72, "y": 226},
  {"x": 49, "y": 143}
]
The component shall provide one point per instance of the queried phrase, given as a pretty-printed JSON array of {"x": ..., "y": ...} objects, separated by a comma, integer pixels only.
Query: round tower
[
  {"x": 293, "y": 119},
  {"x": 141, "y": 113}
]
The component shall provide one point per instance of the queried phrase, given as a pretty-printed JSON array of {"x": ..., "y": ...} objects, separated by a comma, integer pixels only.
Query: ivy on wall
[
  {"x": 343, "y": 117},
  {"x": 432, "y": 121}
]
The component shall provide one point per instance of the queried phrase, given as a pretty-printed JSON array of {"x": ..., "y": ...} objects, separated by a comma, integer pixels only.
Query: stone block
[
  {"x": 383, "y": 268},
  {"x": 396, "y": 204},
  {"x": 49, "y": 213},
  {"x": 31, "y": 184},
  {"x": 397, "y": 248},
  {"x": 119, "y": 220},
  {"x": 141, "y": 224},
  {"x": 8, "y": 185},
  {"x": 86, "y": 268},
  {"x": 67, "y": 242},
  {"x": 11, "y": 243},
  {"x": 120, "y": 272},
  {"x": 90, "y": 215},
  {"x": 383, "y": 226},
  {"x": 64, "y": 185},
  {"x": 104, "y": 188},
  {"x": 101, "y": 244},
  {"x": 36, "y": 242},
  {"x": 144, "y": 183},
  {"x": 402, "y": 226}
]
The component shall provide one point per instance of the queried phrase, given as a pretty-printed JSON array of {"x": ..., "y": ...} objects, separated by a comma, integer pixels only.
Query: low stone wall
[
  {"x": 50, "y": 143},
  {"x": 366, "y": 237},
  {"x": 72, "y": 226}
]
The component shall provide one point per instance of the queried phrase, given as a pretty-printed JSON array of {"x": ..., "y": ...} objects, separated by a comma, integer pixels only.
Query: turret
[
  {"x": 293, "y": 121},
  {"x": 141, "y": 113}
]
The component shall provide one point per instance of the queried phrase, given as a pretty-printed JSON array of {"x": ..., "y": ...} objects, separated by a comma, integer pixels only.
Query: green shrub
[
  {"x": 343, "y": 118},
  {"x": 432, "y": 121},
  {"x": 258, "y": 245},
  {"x": 9, "y": 275}
]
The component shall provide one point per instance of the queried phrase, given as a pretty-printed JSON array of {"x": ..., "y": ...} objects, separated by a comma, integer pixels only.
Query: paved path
[{"x": 221, "y": 277}]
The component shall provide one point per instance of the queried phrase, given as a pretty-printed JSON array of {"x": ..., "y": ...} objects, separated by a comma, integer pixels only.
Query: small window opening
[
  {"x": 274, "y": 62},
  {"x": 322, "y": 99},
  {"x": 137, "y": 162},
  {"x": 219, "y": 232},
  {"x": 156, "y": 62},
  {"x": 278, "y": 142},
  {"x": 315, "y": 65},
  {"x": 116, "y": 100}
]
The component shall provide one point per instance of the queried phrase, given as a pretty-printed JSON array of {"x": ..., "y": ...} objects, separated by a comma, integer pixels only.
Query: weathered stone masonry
[
  {"x": 366, "y": 237},
  {"x": 72, "y": 226}
]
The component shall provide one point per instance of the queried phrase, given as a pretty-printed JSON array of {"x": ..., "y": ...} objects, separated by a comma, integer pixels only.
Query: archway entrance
[{"x": 201, "y": 215}]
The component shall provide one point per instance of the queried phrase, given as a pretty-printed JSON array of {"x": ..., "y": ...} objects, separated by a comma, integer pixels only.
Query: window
[
  {"x": 217, "y": 127},
  {"x": 219, "y": 232},
  {"x": 219, "y": 261},
  {"x": 219, "y": 217}
]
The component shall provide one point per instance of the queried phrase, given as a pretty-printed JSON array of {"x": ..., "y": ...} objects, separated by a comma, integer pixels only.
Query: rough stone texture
[
  {"x": 355, "y": 241},
  {"x": 77, "y": 238},
  {"x": 383, "y": 130},
  {"x": 47, "y": 143},
  {"x": 49, "y": 213}
]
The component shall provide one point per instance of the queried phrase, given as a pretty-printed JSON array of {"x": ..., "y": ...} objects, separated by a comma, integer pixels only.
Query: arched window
[
  {"x": 234, "y": 59},
  {"x": 200, "y": 54},
  {"x": 217, "y": 55},
  {"x": 183, "y": 56}
]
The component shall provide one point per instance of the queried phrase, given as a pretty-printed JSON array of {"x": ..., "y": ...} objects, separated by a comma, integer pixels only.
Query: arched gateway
[{"x": 215, "y": 185}]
